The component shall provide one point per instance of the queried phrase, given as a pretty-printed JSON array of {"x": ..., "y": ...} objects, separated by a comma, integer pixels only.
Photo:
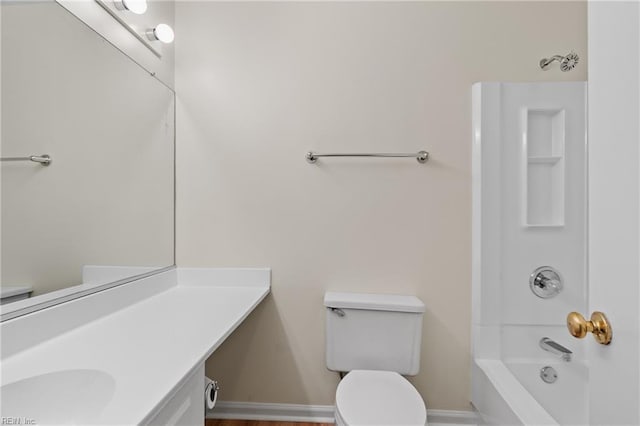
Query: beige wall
[{"x": 259, "y": 84}]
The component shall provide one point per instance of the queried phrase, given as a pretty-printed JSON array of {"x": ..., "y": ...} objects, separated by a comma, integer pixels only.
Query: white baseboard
[
  {"x": 452, "y": 417},
  {"x": 316, "y": 413},
  {"x": 272, "y": 412}
]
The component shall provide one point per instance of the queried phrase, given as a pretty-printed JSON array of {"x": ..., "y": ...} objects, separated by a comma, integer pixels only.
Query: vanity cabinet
[{"x": 186, "y": 406}]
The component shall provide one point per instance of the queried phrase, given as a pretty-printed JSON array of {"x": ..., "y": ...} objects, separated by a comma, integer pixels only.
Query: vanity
[
  {"x": 113, "y": 332},
  {"x": 133, "y": 354}
]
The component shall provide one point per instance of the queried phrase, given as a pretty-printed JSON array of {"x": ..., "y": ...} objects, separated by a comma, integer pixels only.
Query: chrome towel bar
[
  {"x": 420, "y": 156},
  {"x": 43, "y": 159}
]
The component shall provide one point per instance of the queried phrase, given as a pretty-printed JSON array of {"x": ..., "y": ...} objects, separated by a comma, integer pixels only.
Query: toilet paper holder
[{"x": 211, "y": 389}]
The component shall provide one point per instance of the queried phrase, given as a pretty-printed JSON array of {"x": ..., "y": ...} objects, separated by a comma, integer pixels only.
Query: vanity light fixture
[
  {"x": 162, "y": 32},
  {"x": 136, "y": 6}
]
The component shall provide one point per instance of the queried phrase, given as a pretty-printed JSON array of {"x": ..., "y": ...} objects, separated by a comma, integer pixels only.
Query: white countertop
[{"x": 148, "y": 348}]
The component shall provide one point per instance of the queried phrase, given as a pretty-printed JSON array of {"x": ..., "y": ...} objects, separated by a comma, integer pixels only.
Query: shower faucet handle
[
  {"x": 545, "y": 282},
  {"x": 599, "y": 326}
]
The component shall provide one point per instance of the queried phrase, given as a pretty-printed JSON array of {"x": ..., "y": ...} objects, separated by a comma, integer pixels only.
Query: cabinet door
[{"x": 186, "y": 406}]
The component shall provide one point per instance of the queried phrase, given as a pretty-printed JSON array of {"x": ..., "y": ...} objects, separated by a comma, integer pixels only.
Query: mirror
[{"x": 103, "y": 210}]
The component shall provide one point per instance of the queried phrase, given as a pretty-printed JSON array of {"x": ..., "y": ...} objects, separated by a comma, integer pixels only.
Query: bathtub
[{"x": 512, "y": 392}]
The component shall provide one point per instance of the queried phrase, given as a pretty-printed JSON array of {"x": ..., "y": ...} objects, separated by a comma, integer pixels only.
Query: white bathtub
[
  {"x": 512, "y": 393},
  {"x": 566, "y": 399}
]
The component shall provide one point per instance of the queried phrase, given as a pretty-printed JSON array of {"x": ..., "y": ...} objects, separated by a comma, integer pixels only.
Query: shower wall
[{"x": 529, "y": 211}]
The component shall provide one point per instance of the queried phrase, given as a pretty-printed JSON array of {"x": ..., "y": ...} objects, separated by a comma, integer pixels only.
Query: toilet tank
[{"x": 373, "y": 332}]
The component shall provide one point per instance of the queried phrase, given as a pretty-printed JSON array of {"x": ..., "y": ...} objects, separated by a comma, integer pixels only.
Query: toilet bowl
[{"x": 368, "y": 397}]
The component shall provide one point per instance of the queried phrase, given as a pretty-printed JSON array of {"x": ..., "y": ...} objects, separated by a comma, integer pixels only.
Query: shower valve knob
[
  {"x": 545, "y": 282},
  {"x": 598, "y": 325}
]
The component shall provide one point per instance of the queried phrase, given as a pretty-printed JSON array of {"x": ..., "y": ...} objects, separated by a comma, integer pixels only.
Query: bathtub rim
[{"x": 502, "y": 393}]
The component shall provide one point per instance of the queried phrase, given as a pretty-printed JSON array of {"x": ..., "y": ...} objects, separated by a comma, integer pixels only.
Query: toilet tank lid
[{"x": 375, "y": 302}]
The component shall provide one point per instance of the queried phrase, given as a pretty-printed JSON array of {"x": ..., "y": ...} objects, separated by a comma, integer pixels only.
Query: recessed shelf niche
[{"x": 543, "y": 146}]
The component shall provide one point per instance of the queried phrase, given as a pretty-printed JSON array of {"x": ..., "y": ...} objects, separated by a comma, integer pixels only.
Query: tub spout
[{"x": 556, "y": 349}]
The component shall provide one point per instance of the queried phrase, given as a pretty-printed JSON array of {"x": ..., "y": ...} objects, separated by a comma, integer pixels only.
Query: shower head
[{"x": 567, "y": 63}]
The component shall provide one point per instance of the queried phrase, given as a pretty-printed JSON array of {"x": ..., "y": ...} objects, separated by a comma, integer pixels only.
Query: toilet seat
[{"x": 367, "y": 397}]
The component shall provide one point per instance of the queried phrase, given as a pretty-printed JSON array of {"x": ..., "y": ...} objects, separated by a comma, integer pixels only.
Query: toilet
[{"x": 375, "y": 338}]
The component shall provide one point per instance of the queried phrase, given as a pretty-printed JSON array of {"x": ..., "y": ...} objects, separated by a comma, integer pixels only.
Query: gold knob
[{"x": 599, "y": 326}]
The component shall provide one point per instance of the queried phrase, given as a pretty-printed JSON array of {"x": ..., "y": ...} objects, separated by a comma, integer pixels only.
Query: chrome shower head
[{"x": 567, "y": 63}]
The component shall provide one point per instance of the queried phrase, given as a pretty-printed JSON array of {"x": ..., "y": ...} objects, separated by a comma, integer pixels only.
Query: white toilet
[{"x": 375, "y": 338}]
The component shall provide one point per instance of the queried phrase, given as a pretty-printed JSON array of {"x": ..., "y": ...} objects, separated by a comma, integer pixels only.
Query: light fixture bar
[{"x": 135, "y": 6}]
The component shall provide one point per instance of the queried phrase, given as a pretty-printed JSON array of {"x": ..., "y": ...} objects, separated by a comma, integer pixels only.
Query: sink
[{"x": 61, "y": 397}]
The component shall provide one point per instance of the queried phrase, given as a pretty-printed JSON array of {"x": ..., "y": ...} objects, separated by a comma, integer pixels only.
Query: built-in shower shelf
[
  {"x": 559, "y": 225},
  {"x": 543, "y": 131},
  {"x": 544, "y": 160}
]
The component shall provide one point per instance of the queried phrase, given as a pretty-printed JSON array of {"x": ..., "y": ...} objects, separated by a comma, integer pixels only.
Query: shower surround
[{"x": 529, "y": 211}]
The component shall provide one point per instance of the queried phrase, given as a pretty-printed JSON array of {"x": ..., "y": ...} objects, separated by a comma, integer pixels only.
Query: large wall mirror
[{"x": 103, "y": 210}]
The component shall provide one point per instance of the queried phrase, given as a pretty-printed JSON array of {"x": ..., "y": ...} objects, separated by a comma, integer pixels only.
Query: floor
[{"x": 220, "y": 422}]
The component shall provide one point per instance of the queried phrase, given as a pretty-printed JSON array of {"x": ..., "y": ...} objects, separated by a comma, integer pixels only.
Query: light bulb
[
  {"x": 135, "y": 6},
  {"x": 162, "y": 32}
]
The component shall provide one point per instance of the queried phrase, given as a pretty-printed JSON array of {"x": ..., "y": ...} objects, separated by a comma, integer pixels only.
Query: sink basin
[{"x": 61, "y": 397}]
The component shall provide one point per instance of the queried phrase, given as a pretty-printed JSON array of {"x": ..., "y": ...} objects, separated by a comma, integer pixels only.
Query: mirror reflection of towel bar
[{"x": 43, "y": 159}]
